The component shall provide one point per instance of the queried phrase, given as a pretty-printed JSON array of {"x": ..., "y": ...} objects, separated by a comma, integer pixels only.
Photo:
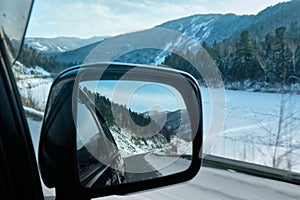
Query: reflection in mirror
[{"x": 130, "y": 131}]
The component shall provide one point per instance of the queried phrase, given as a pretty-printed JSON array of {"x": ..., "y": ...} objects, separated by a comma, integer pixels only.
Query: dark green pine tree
[
  {"x": 279, "y": 62},
  {"x": 31, "y": 58},
  {"x": 245, "y": 63},
  {"x": 177, "y": 62}
]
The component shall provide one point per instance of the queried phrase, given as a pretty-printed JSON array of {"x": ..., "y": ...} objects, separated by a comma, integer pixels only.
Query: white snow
[
  {"x": 60, "y": 49},
  {"x": 251, "y": 123},
  {"x": 34, "y": 84},
  {"x": 251, "y": 118},
  {"x": 39, "y": 46},
  {"x": 33, "y": 112},
  {"x": 204, "y": 26},
  {"x": 244, "y": 138},
  {"x": 129, "y": 146}
]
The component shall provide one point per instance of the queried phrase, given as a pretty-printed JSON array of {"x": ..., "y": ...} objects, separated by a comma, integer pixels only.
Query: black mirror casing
[
  {"x": 57, "y": 155},
  {"x": 57, "y": 149}
]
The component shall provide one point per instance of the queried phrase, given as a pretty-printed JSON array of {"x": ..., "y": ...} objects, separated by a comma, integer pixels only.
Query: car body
[{"x": 109, "y": 150}]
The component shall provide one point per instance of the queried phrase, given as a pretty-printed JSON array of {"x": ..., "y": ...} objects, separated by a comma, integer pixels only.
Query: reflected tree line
[
  {"x": 120, "y": 116},
  {"x": 89, "y": 162}
]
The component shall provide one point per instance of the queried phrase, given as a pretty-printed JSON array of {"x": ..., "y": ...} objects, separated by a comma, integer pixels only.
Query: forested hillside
[
  {"x": 274, "y": 61},
  {"x": 253, "y": 52},
  {"x": 116, "y": 116},
  {"x": 31, "y": 58}
]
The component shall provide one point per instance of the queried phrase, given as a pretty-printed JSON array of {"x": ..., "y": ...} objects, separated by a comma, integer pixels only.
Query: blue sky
[
  {"x": 137, "y": 95},
  {"x": 87, "y": 18}
]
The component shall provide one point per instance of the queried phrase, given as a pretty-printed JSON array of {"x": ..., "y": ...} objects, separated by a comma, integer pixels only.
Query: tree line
[
  {"x": 117, "y": 115},
  {"x": 30, "y": 57},
  {"x": 275, "y": 60}
]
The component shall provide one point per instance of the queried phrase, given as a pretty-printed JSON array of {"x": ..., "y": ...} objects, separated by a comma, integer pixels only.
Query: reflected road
[{"x": 139, "y": 164}]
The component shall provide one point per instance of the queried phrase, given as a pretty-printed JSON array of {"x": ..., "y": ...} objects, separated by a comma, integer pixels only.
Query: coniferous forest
[
  {"x": 273, "y": 62},
  {"x": 30, "y": 57},
  {"x": 245, "y": 62}
]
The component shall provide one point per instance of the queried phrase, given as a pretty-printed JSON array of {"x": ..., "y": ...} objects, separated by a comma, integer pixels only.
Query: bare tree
[
  {"x": 280, "y": 138},
  {"x": 293, "y": 45}
]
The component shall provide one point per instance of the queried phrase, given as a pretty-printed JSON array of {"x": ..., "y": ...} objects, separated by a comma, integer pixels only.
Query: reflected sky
[
  {"x": 86, "y": 126},
  {"x": 139, "y": 96}
]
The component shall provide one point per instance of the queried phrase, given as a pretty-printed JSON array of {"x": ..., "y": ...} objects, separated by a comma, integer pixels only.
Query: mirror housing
[{"x": 58, "y": 150}]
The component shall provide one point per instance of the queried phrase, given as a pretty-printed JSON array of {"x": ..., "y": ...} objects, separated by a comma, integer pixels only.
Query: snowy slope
[
  {"x": 59, "y": 44},
  {"x": 130, "y": 145},
  {"x": 34, "y": 85},
  {"x": 210, "y": 28}
]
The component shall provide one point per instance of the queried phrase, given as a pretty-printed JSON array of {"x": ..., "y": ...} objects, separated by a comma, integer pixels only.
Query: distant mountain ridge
[
  {"x": 209, "y": 28},
  {"x": 214, "y": 28},
  {"x": 59, "y": 44},
  {"x": 76, "y": 56}
]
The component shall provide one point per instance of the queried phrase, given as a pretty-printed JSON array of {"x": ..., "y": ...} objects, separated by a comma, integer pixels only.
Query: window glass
[
  {"x": 247, "y": 58},
  {"x": 13, "y": 22}
]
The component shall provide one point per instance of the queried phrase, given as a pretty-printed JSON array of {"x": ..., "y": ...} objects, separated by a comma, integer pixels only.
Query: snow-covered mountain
[
  {"x": 151, "y": 46},
  {"x": 74, "y": 56},
  {"x": 214, "y": 28},
  {"x": 210, "y": 28},
  {"x": 59, "y": 44}
]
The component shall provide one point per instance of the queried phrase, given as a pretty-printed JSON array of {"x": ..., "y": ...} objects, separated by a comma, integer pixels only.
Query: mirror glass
[{"x": 129, "y": 131}]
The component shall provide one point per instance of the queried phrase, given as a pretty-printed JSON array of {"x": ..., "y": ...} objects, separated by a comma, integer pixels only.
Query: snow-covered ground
[
  {"x": 251, "y": 118},
  {"x": 34, "y": 85},
  {"x": 158, "y": 144},
  {"x": 129, "y": 145},
  {"x": 252, "y": 122}
]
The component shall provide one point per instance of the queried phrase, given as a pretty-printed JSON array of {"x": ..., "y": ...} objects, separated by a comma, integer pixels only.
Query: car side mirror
[{"x": 114, "y": 129}]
